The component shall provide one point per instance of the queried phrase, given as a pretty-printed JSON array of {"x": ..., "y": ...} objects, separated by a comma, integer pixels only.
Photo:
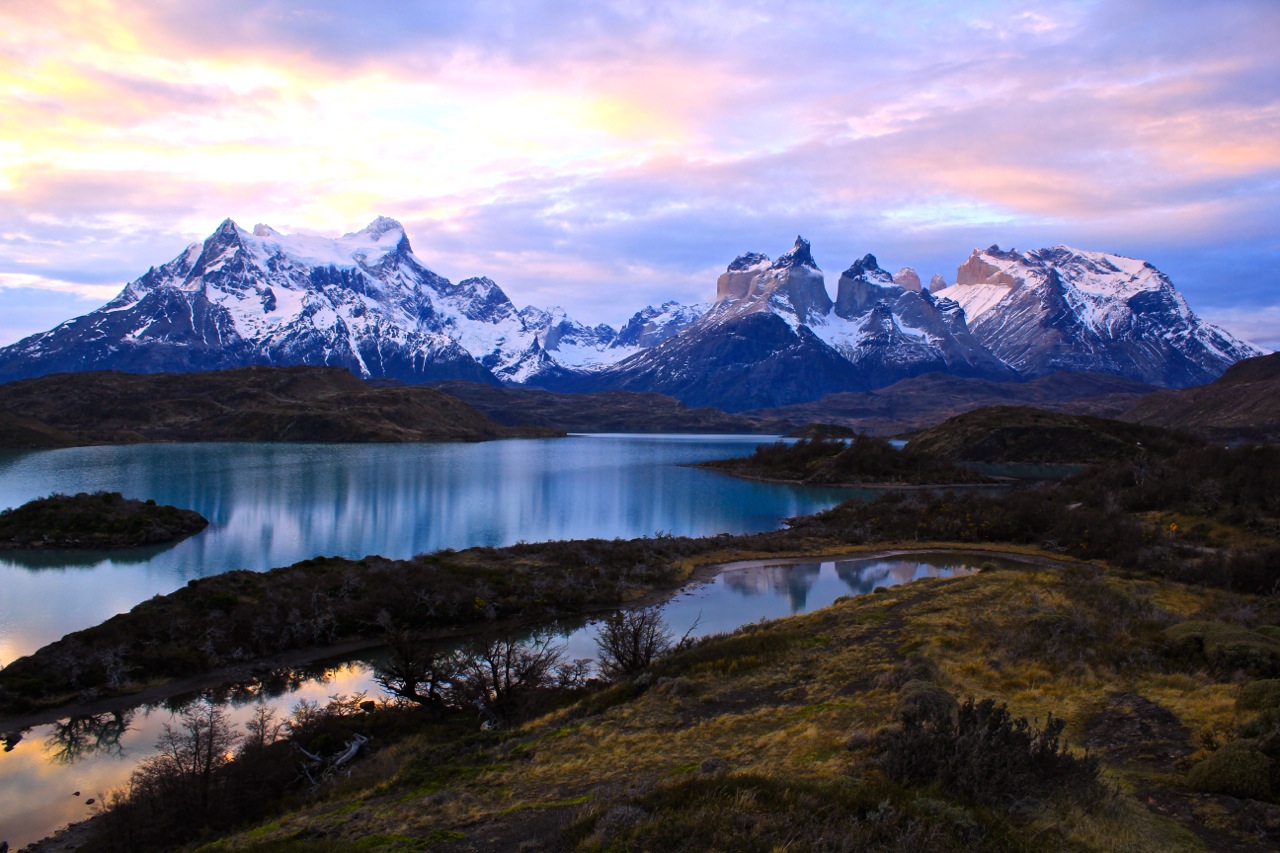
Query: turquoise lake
[{"x": 275, "y": 504}]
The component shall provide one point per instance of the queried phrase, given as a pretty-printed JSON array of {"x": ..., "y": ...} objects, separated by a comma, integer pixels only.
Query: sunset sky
[{"x": 607, "y": 155}]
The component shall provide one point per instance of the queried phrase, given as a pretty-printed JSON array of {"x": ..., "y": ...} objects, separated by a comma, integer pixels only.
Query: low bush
[
  {"x": 1226, "y": 647},
  {"x": 1238, "y": 769},
  {"x": 755, "y": 813},
  {"x": 981, "y": 753},
  {"x": 1262, "y": 695}
]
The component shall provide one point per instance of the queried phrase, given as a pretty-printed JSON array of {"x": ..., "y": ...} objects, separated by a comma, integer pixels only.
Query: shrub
[
  {"x": 1239, "y": 769},
  {"x": 1226, "y": 647},
  {"x": 984, "y": 754},
  {"x": 923, "y": 699},
  {"x": 630, "y": 641},
  {"x": 1260, "y": 695},
  {"x": 753, "y": 813}
]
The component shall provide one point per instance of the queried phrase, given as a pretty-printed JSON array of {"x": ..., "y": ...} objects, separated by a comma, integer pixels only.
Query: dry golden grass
[{"x": 775, "y": 705}]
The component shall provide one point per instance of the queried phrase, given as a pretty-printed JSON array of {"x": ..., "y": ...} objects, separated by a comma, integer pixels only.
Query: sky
[{"x": 605, "y": 155}]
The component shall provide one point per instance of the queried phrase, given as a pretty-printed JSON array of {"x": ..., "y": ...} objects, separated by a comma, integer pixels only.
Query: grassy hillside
[
  {"x": 860, "y": 461},
  {"x": 245, "y": 404},
  {"x": 1020, "y": 434},
  {"x": 924, "y": 401},
  {"x": 847, "y": 729},
  {"x": 606, "y": 411},
  {"x": 1244, "y": 405}
]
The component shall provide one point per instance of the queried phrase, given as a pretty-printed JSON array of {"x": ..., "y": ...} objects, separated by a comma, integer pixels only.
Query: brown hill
[
  {"x": 923, "y": 401},
  {"x": 1243, "y": 405},
  {"x": 245, "y": 404},
  {"x": 605, "y": 411},
  {"x": 1020, "y": 434}
]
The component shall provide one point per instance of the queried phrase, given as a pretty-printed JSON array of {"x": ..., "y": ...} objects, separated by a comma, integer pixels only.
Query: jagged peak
[
  {"x": 861, "y": 267},
  {"x": 798, "y": 255},
  {"x": 263, "y": 230},
  {"x": 748, "y": 260},
  {"x": 226, "y": 228}
]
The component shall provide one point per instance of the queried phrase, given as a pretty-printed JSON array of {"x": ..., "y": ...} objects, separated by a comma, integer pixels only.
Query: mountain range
[{"x": 772, "y": 337}]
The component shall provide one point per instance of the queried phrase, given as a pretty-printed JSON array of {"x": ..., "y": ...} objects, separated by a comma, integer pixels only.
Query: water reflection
[
  {"x": 76, "y": 738},
  {"x": 271, "y": 684},
  {"x": 37, "y": 785},
  {"x": 792, "y": 581},
  {"x": 83, "y": 558}
]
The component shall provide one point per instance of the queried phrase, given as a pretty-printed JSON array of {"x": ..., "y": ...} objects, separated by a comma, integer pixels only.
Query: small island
[
  {"x": 863, "y": 460},
  {"x": 95, "y": 520}
]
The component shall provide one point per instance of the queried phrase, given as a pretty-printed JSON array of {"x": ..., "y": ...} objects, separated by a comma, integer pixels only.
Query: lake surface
[
  {"x": 41, "y": 774},
  {"x": 275, "y": 504}
]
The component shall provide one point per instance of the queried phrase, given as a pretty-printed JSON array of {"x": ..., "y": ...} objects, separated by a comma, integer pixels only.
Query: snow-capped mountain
[
  {"x": 1069, "y": 309},
  {"x": 362, "y": 301},
  {"x": 892, "y": 328},
  {"x": 773, "y": 336}
]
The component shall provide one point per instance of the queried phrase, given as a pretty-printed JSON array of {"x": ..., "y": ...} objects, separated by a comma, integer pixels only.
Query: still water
[
  {"x": 47, "y": 777},
  {"x": 275, "y": 504}
]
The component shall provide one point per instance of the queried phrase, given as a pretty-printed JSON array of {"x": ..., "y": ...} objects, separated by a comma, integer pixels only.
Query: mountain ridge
[{"x": 773, "y": 337}]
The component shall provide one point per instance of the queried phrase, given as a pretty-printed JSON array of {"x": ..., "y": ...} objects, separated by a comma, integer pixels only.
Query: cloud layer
[{"x": 606, "y": 155}]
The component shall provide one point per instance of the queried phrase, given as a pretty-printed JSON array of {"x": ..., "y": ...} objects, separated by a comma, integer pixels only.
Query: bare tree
[
  {"x": 263, "y": 729},
  {"x": 500, "y": 677},
  {"x": 415, "y": 670},
  {"x": 630, "y": 641},
  {"x": 189, "y": 756},
  {"x": 78, "y": 737}
]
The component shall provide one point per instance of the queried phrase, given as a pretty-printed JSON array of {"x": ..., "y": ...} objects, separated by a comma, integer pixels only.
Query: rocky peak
[
  {"x": 866, "y": 267},
  {"x": 937, "y": 283},
  {"x": 797, "y": 256},
  {"x": 861, "y": 286},
  {"x": 383, "y": 225},
  {"x": 226, "y": 234},
  {"x": 749, "y": 260},
  {"x": 907, "y": 279},
  {"x": 977, "y": 270},
  {"x": 221, "y": 253},
  {"x": 738, "y": 281}
]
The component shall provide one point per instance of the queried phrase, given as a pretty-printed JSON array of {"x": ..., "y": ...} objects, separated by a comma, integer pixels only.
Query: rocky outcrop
[
  {"x": 739, "y": 280},
  {"x": 792, "y": 284},
  {"x": 862, "y": 285},
  {"x": 893, "y": 333},
  {"x": 977, "y": 270},
  {"x": 907, "y": 279}
]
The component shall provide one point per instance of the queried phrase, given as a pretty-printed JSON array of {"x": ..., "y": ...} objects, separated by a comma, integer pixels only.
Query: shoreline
[{"x": 700, "y": 573}]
